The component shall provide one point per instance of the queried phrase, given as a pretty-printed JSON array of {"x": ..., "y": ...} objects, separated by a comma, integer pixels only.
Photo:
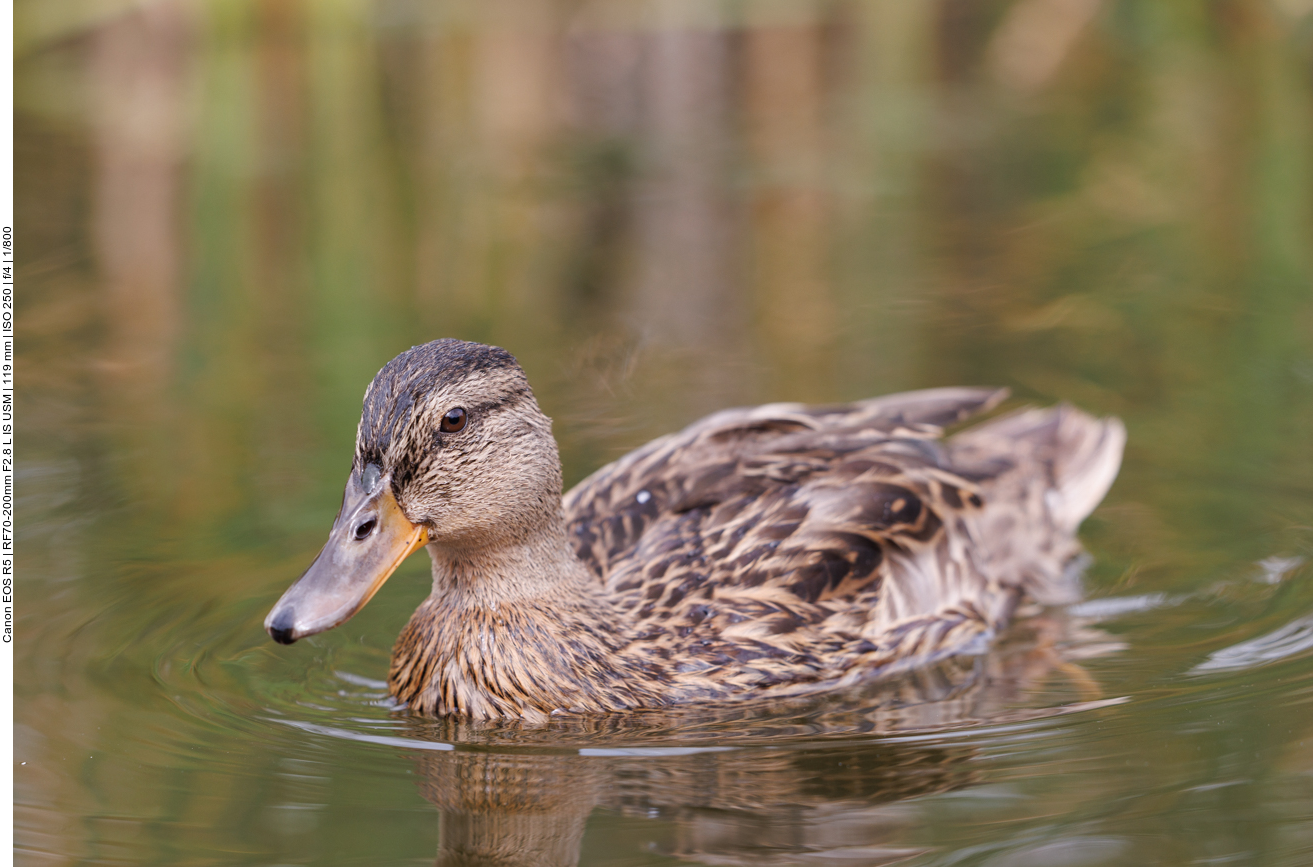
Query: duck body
[{"x": 770, "y": 552}]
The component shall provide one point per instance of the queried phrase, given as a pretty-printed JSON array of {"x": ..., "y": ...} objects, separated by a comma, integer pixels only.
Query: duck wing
[
  {"x": 786, "y": 546},
  {"x": 760, "y": 472},
  {"x": 756, "y": 459}
]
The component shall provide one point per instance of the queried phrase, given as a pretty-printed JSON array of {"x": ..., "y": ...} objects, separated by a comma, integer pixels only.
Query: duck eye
[{"x": 453, "y": 421}]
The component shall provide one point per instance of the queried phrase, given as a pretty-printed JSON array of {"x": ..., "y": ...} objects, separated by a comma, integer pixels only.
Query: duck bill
[{"x": 357, "y": 559}]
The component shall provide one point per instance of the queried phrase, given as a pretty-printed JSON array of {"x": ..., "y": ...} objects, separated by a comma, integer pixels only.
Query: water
[{"x": 231, "y": 214}]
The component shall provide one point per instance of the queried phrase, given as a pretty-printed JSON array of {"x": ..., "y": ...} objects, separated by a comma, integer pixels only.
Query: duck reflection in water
[
  {"x": 743, "y": 785},
  {"x": 738, "y": 807}
]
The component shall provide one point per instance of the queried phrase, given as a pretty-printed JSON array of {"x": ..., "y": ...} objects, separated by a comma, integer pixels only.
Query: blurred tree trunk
[
  {"x": 140, "y": 74},
  {"x": 785, "y": 102},
  {"x": 885, "y": 296},
  {"x": 685, "y": 289}
]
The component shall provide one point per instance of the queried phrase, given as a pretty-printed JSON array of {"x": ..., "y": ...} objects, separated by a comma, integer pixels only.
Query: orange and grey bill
[{"x": 369, "y": 540}]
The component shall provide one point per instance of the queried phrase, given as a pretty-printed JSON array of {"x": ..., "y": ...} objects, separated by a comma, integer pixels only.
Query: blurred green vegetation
[{"x": 256, "y": 203}]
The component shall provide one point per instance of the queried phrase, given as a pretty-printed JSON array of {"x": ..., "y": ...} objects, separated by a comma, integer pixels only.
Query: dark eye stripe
[{"x": 453, "y": 421}]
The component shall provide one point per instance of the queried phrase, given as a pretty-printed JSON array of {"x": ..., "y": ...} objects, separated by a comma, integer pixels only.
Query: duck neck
[
  {"x": 517, "y": 630},
  {"x": 537, "y": 569}
]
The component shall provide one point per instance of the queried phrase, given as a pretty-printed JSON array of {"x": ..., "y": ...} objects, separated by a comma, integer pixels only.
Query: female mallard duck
[{"x": 767, "y": 552}]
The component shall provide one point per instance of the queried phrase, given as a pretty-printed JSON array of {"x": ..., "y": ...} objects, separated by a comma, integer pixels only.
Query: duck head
[{"x": 452, "y": 451}]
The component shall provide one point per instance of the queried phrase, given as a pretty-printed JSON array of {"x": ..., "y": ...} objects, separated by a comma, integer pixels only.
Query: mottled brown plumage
[{"x": 768, "y": 552}]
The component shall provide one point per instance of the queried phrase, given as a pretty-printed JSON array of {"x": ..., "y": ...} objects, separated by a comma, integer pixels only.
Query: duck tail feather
[
  {"x": 1089, "y": 456},
  {"x": 1082, "y": 454}
]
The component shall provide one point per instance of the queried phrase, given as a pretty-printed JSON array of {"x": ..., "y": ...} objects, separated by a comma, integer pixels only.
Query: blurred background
[{"x": 231, "y": 213}]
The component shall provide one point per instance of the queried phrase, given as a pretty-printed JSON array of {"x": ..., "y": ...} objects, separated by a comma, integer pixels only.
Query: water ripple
[{"x": 1290, "y": 640}]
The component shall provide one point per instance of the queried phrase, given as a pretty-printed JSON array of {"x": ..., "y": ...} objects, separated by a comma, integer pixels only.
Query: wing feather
[{"x": 787, "y": 545}]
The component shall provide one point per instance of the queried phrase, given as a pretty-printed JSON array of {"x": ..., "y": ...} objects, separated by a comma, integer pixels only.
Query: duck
[{"x": 767, "y": 553}]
